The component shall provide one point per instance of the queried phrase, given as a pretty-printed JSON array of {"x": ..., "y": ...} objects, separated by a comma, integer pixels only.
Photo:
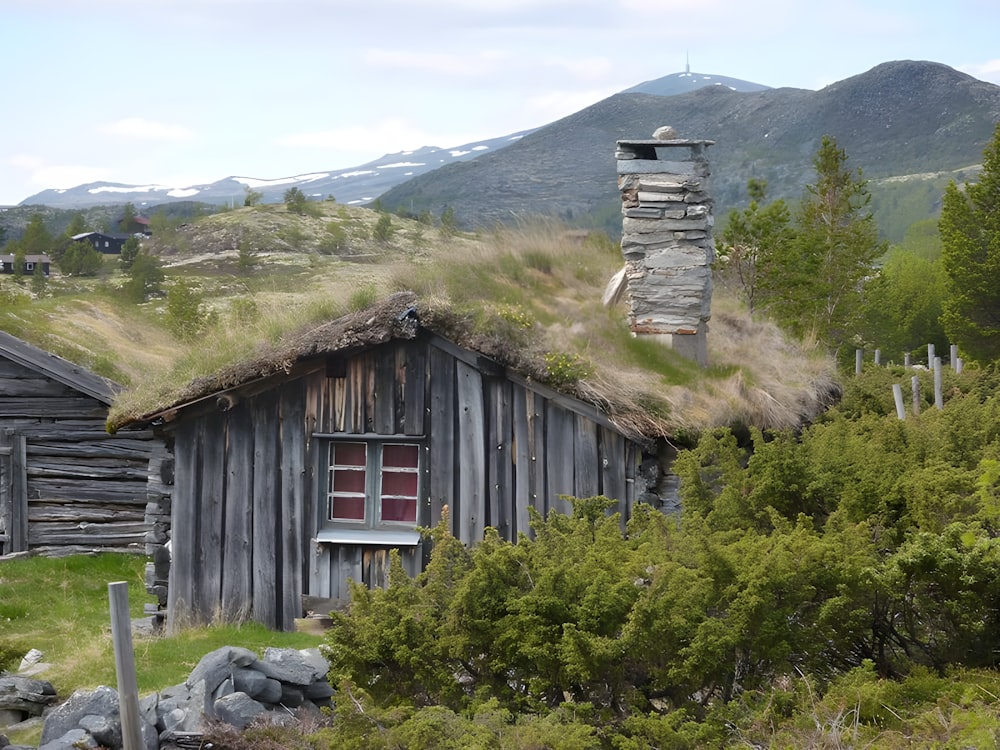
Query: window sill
[{"x": 382, "y": 538}]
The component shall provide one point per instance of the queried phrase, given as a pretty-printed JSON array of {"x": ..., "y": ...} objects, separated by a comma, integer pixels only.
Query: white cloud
[
  {"x": 584, "y": 68},
  {"x": 383, "y": 137},
  {"x": 142, "y": 129},
  {"x": 459, "y": 66},
  {"x": 59, "y": 176}
]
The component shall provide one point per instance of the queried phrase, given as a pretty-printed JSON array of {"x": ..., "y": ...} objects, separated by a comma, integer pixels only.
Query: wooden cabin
[
  {"x": 301, "y": 470},
  {"x": 66, "y": 485},
  {"x": 108, "y": 244},
  {"x": 8, "y": 264}
]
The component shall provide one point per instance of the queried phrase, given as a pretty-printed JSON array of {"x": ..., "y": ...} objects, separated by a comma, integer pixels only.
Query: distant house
[
  {"x": 134, "y": 225},
  {"x": 65, "y": 483},
  {"x": 109, "y": 244},
  {"x": 8, "y": 262},
  {"x": 302, "y": 470}
]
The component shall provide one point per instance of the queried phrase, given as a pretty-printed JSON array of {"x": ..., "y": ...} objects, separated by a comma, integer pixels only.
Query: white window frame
[{"x": 342, "y": 529}]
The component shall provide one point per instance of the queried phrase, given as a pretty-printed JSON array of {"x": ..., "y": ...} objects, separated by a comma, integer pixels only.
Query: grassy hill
[{"x": 260, "y": 273}]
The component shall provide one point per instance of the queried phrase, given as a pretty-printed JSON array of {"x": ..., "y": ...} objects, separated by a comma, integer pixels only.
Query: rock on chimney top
[{"x": 665, "y": 133}]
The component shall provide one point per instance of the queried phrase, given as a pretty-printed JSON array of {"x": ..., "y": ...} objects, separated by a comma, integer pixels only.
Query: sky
[{"x": 182, "y": 92}]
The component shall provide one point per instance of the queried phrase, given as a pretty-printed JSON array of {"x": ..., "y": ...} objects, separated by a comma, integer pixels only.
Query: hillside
[
  {"x": 535, "y": 289},
  {"x": 917, "y": 119}
]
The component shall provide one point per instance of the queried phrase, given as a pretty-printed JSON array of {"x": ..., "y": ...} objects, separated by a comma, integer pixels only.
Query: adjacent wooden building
[
  {"x": 302, "y": 469},
  {"x": 66, "y": 485}
]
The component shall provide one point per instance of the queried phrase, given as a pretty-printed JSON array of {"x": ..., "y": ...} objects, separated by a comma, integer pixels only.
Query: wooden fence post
[
  {"x": 128, "y": 688},
  {"x": 897, "y": 396},
  {"x": 938, "y": 391}
]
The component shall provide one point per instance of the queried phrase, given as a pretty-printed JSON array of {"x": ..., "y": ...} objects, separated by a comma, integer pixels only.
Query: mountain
[
  {"x": 360, "y": 184},
  {"x": 903, "y": 119},
  {"x": 681, "y": 83}
]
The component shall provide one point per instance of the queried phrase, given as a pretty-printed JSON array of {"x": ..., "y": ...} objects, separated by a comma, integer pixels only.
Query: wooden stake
[{"x": 128, "y": 688}]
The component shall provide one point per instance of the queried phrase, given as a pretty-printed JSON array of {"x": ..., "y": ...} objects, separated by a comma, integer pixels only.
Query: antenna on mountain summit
[{"x": 687, "y": 62}]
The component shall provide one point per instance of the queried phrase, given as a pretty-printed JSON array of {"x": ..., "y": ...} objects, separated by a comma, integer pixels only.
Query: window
[{"x": 373, "y": 483}]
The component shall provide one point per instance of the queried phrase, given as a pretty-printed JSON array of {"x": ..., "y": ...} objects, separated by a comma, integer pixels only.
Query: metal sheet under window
[{"x": 392, "y": 538}]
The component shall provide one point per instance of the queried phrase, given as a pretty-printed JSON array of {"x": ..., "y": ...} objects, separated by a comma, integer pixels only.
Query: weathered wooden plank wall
[
  {"x": 249, "y": 489},
  {"x": 265, "y": 507},
  {"x": 237, "y": 554},
  {"x": 181, "y": 602}
]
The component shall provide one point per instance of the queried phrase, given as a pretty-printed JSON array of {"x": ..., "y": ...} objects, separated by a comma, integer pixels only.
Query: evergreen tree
[
  {"x": 383, "y": 230},
  {"x": 252, "y": 197},
  {"x": 970, "y": 233},
  {"x": 295, "y": 200},
  {"x": 187, "y": 315},
  {"x": 81, "y": 259},
  {"x": 753, "y": 237},
  {"x": 39, "y": 282},
  {"x": 128, "y": 223},
  {"x": 37, "y": 240},
  {"x": 903, "y": 302},
  {"x": 449, "y": 223},
  {"x": 130, "y": 250},
  {"x": 835, "y": 248},
  {"x": 145, "y": 277},
  {"x": 77, "y": 225}
]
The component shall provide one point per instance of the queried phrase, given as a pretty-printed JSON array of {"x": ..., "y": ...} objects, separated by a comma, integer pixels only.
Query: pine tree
[
  {"x": 970, "y": 233},
  {"x": 835, "y": 248},
  {"x": 753, "y": 237}
]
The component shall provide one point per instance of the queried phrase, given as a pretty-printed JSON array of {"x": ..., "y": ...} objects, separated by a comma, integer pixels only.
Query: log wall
[{"x": 65, "y": 483}]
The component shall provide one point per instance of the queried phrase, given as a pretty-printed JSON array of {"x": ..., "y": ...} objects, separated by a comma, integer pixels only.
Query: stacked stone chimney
[{"x": 667, "y": 239}]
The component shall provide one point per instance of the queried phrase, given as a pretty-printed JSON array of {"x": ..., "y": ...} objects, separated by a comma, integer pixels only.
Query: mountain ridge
[
  {"x": 357, "y": 184},
  {"x": 899, "y": 118},
  {"x": 351, "y": 185}
]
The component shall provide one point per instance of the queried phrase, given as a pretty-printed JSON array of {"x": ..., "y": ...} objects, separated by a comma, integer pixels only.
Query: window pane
[
  {"x": 347, "y": 507},
  {"x": 347, "y": 454},
  {"x": 348, "y": 480},
  {"x": 399, "y": 509},
  {"x": 400, "y": 455},
  {"x": 399, "y": 483}
]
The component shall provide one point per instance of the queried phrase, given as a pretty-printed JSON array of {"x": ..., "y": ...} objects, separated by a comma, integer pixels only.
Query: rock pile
[
  {"x": 230, "y": 684},
  {"x": 22, "y": 697}
]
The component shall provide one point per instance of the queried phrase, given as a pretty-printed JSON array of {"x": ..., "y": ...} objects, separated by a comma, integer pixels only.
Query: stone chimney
[{"x": 667, "y": 239}]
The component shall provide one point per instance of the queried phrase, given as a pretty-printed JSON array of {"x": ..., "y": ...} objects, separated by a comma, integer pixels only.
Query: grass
[
  {"x": 534, "y": 286},
  {"x": 60, "y": 607}
]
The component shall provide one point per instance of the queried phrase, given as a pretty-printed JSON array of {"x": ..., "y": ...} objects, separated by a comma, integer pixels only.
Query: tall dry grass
[{"x": 536, "y": 289}]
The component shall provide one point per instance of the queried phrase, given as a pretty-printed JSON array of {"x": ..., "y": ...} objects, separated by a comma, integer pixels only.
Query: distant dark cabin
[
  {"x": 297, "y": 472},
  {"x": 66, "y": 485},
  {"x": 109, "y": 244},
  {"x": 8, "y": 261}
]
